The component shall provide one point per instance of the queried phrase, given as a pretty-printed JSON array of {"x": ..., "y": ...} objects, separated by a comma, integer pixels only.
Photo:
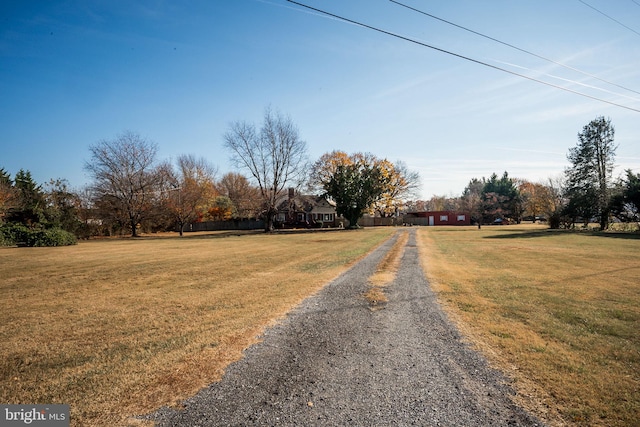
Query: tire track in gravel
[{"x": 334, "y": 362}]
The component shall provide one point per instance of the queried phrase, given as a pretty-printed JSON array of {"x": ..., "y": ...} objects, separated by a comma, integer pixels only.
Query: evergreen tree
[
  {"x": 355, "y": 183},
  {"x": 625, "y": 203},
  {"x": 590, "y": 175},
  {"x": 30, "y": 207},
  {"x": 7, "y": 193},
  {"x": 502, "y": 197}
]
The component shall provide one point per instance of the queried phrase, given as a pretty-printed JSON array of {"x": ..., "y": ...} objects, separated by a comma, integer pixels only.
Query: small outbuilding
[{"x": 433, "y": 218}]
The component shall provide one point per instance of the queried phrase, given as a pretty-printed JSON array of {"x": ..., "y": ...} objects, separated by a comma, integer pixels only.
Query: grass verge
[
  {"x": 121, "y": 327},
  {"x": 558, "y": 311}
]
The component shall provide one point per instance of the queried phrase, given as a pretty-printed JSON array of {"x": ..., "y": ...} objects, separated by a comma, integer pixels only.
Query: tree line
[
  {"x": 586, "y": 192},
  {"x": 132, "y": 191}
]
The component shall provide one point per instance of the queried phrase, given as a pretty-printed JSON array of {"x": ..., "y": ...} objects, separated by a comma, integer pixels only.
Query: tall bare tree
[
  {"x": 274, "y": 156},
  {"x": 125, "y": 176}
]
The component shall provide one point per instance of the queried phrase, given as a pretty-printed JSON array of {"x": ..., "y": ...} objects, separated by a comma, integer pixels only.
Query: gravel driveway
[{"x": 335, "y": 362}]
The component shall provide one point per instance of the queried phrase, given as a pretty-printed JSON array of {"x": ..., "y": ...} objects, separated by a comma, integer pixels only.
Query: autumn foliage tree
[
  {"x": 354, "y": 182},
  {"x": 221, "y": 209},
  {"x": 401, "y": 184},
  {"x": 538, "y": 199},
  {"x": 189, "y": 190},
  {"x": 244, "y": 197}
]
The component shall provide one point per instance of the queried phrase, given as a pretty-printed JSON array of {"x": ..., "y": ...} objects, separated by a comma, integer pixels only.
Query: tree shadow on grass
[{"x": 550, "y": 233}]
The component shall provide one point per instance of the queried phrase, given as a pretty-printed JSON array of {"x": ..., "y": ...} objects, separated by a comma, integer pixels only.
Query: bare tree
[
  {"x": 473, "y": 202},
  {"x": 125, "y": 176},
  {"x": 274, "y": 156}
]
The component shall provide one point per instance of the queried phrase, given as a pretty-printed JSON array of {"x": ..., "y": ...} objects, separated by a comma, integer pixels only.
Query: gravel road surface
[{"x": 335, "y": 362}]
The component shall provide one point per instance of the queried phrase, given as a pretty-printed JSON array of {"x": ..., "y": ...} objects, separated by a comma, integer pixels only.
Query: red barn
[{"x": 438, "y": 218}]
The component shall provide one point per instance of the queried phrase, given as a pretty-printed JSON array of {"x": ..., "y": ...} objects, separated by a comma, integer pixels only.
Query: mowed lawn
[
  {"x": 558, "y": 311},
  {"x": 120, "y": 327}
]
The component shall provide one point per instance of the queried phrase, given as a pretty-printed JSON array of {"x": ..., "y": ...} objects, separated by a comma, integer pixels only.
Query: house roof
[{"x": 304, "y": 203}]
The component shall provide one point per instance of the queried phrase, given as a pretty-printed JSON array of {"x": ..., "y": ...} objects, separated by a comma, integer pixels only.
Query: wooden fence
[{"x": 225, "y": 225}]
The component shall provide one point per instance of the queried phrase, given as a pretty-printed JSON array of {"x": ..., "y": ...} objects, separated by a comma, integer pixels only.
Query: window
[
  {"x": 461, "y": 217},
  {"x": 444, "y": 218},
  {"x": 300, "y": 217},
  {"x": 328, "y": 217},
  {"x": 280, "y": 217}
]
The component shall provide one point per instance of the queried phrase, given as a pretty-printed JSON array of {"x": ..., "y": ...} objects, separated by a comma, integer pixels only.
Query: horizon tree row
[{"x": 132, "y": 190}]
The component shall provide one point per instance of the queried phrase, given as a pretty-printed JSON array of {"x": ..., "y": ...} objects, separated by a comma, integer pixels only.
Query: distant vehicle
[{"x": 501, "y": 221}]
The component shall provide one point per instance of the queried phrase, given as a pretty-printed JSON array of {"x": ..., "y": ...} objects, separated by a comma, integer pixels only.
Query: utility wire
[
  {"x": 389, "y": 33},
  {"x": 513, "y": 47},
  {"x": 568, "y": 80},
  {"x": 613, "y": 19}
]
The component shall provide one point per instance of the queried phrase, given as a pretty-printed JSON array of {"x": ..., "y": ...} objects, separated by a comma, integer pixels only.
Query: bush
[
  {"x": 52, "y": 237},
  {"x": 12, "y": 234},
  {"x": 17, "y": 234}
]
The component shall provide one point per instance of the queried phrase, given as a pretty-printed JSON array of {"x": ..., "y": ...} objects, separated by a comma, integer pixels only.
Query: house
[
  {"x": 432, "y": 218},
  {"x": 305, "y": 211}
]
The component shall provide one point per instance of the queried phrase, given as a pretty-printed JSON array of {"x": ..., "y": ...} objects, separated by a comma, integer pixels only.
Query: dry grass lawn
[
  {"x": 120, "y": 327},
  {"x": 558, "y": 311}
]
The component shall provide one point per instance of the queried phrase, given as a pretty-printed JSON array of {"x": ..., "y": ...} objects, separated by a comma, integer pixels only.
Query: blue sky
[{"x": 73, "y": 73}]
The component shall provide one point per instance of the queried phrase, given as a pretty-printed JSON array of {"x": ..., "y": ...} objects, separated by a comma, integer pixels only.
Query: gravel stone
[{"x": 333, "y": 361}]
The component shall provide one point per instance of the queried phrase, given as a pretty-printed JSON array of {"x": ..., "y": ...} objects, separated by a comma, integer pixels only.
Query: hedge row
[{"x": 13, "y": 234}]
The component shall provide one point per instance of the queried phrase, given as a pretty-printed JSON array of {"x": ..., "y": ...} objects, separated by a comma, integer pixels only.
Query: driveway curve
[{"x": 335, "y": 362}]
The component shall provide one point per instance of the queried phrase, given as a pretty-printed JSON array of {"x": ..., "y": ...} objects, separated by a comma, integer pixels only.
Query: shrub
[
  {"x": 17, "y": 234},
  {"x": 12, "y": 234},
  {"x": 52, "y": 237}
]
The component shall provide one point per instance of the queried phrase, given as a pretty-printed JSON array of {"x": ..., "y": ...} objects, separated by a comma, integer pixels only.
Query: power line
[
  {"x": 513, "y": 47},
  {"x": 569, "y": 80},
  {"x": 613, "y": 19},
  {"x": 389, "y": 33}
]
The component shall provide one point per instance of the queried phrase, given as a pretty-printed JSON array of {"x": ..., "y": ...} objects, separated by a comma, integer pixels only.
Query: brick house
[{"x": 305, "y": 211}]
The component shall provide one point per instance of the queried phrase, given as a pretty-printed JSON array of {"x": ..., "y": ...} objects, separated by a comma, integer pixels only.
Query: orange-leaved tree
[
  {"x": 190, "y": 190},
  {"x": 361, "y": 182}
]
